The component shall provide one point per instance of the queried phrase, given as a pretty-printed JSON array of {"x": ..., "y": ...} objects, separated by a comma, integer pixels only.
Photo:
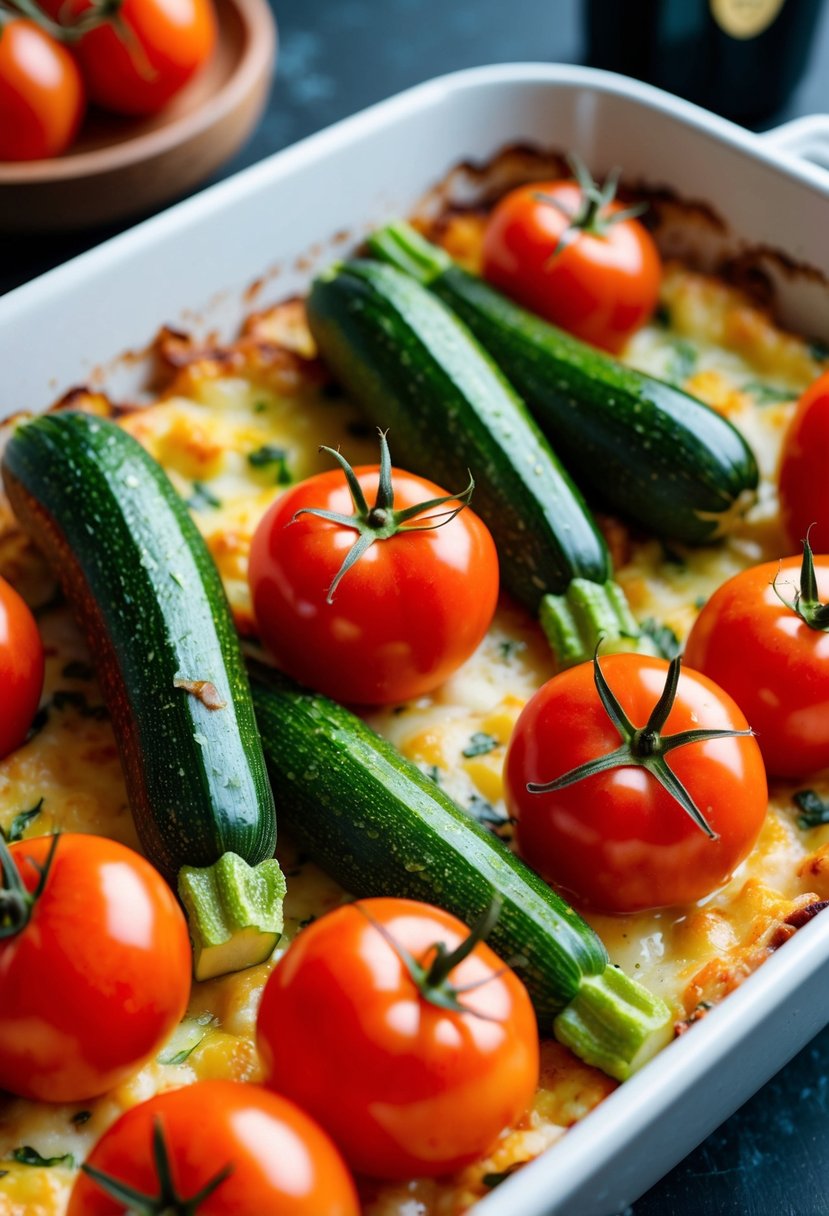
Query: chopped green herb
[
  {"x": 80, "y": 1117},
  {"x": 510, "y": 647},
  {"x": 270, "y": 454},
  {"x": 3, "y": 1173},
  {"x": 66, "y": 698},
  {"x": 819, "y": 350},
  {"x": 267, "y": 454},
  {"x": 39, "y": 721},
  {"x": 672, "y": 556},
  {"x": 682, "y": 362},
  {"x": 78, "y": 670},
  {"x": 493, "y": 1180},
  {"x": 814, "y": 810},
  {"x": 179, "y": 1057},
  {"x": 259, "y": 407},
  {"x": 662, "y": 316},
  {"x": 202, "y": 498},
  {"x": 30, "y": 1156},
  {"x": 485, "y": 813},
  {"x": 663, "y": 637},
  {"x": 480, "y": 744},
  {"x": 768, "y": 394},
  {"x": 700, "y": 602},
  {"x": 432, "y": 772},
  {"x": 21, "y": 821}
]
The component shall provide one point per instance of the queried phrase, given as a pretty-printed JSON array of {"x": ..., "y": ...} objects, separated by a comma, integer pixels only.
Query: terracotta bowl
[{"x": 121, "y": 167}]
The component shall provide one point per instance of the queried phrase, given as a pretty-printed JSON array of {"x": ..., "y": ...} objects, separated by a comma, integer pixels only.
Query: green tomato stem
[
  {"x": 381, "y": 521},
  {"x": 806, "y": 603}
]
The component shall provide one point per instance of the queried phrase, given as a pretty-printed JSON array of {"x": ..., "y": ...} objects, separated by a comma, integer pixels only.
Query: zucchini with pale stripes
[
  {"x": 417, "y": 370},
  {"x": 380, "y": 826},
  {"x": 149, "y": 598},
  {"x": 653, "y": 453}
]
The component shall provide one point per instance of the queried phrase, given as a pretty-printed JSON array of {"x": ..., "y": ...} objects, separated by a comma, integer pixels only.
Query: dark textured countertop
[{"x": 335, "y": 57}]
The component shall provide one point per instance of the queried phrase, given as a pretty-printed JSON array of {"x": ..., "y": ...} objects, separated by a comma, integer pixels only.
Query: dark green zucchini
[
  {"x": 149, "y": 598},
  {"x": 418, "y": 371},
  {"x": 652, "y": 452},
  {"x": 380, "y": 826}
]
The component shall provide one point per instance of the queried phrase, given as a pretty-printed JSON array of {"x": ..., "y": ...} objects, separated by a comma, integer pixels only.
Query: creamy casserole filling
[{"x": 233, "y": 426}]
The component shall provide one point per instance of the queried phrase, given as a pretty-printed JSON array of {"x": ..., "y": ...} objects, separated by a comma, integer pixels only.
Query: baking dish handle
[{"x": 806, "y": 138}]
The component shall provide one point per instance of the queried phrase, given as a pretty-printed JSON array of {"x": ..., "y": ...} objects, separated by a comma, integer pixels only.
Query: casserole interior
[{"x": 107, "y": 301}]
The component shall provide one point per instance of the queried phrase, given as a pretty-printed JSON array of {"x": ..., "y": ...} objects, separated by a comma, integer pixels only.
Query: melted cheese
[{"x": 230, "y": 436}]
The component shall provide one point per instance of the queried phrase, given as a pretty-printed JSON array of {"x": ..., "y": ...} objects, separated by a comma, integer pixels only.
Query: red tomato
[
  {"x": 404, "y": 617},
  {"x": 804, "y": 486},
  {"x": 774, "y": 665},
  {"x": 282, "y": 1163},
  {"x": 419, "y": 1090},
  {"x": 97, "y": 978},
  {"x": 21, "y": 666},
  {"x": 138, "y": 62},
  {"x": 618, "y": 841},
  {"x": 600, "y": 285},
  {"x": 42, "y": 98}
]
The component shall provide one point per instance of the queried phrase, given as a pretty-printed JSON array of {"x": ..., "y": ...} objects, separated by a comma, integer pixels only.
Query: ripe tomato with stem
[
  {"x": 215, "y": 1148},
  {"x": 95, "y": 965},
  {"x": 569, "y": 251},
  {"x": 377, "y": 603},
  {"x": 634, "y": 785},
  {"x": 432, "y": 1039}
]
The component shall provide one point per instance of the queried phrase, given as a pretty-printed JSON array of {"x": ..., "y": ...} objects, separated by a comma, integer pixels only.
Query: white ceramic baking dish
[{"x": 68, "y": 327}]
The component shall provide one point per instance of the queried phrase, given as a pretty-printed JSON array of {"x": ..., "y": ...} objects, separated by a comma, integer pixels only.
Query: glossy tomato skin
[
  {"x": 21, "y": 669},
  {"x": 404, "y": 617},
  {"x": 803, "y": 484},
  {"x": 419, "y": 1090},
  {"x": 616, "y": 841},
  {"x": 283, "y": 1163},
  {"x": 599, "y": 288},
  {"x": 771, "y": 662},
  {"x": 42, "y": 97},
  {"x": 169, "y": 41},
  {"x": 97, "y": 979}
]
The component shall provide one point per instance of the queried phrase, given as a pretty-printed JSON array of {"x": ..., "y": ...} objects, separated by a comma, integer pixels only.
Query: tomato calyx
[
  {"x": 102, "y": 12},
  {"x": 593, "y": 215},
  {"x": 381, "y": 521},
  {"x": 806, "y": 603},
  {"x": 644, "y": 746},
  {"x": 16, "y": 901},
  {"x": 168, "y": 1202},
  {"x": 432, "y": 981}
]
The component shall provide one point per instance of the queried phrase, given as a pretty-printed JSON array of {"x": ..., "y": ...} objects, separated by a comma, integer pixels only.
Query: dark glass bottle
[{"x": 741, "y": 58}]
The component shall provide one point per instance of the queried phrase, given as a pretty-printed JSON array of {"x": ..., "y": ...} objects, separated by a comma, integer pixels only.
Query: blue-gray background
[{"x": 335, "y": 57}]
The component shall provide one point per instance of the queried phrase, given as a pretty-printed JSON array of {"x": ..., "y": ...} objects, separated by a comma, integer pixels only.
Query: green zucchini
[
  {"x": 418, "y": 371},
  {"x": 149, "y": 598},
  {"x": 652, "y": 452},
  {"x": 380, "y": 826}
]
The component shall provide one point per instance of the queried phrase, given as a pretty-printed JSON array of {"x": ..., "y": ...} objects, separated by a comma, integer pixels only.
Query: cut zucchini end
[
  {"x": 402, "y": 246},
  {"x": 234, "y": 911},
  {"x": 614, "y": 1023},
  {"x": 243, "y": 949},
  {"x": 589, "y": 613}
]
